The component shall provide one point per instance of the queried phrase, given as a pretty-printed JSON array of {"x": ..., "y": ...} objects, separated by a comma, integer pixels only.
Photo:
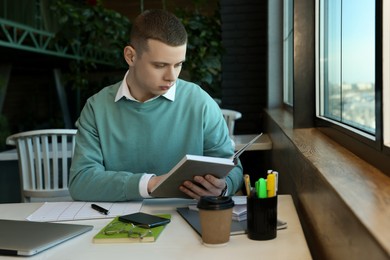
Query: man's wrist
[
  {"x": 224, "y": 190},
  {"x": 143, "y": 185}
]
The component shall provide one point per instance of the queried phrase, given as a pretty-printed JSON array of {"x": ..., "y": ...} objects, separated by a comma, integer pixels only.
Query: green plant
[
  {"x": 87, "y": 25},
  {"x": 91, "y": 25},
  {"x": 204, "y": 52}
]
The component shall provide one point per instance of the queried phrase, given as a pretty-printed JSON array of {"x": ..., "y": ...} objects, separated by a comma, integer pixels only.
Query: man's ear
[{"x": 129, "y": 55}]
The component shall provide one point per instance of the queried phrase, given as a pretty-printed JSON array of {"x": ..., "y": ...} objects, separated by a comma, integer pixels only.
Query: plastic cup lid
[{"x": 215, "y": 203}]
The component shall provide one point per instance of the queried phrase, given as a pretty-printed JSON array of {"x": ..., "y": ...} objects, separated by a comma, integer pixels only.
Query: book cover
[
  {"x": 195, "y": 165},
  {"x": 189, "y": 167},
  {"x": 118, "y": 232}
]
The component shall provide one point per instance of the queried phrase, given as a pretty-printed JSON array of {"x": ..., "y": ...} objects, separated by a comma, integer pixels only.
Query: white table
[
  {"x": 9, "y": 155},
  {"x": 178, "y": 240}
]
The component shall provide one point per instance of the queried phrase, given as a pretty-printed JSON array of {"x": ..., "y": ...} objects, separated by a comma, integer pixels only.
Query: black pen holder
[{"x": 262, "y": 217}]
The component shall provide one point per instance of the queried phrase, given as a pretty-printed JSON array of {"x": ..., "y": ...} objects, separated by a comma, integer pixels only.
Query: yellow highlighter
[{"x": 271, "y": 184}]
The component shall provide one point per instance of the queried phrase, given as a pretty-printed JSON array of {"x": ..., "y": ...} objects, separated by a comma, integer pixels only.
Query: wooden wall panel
[
  {"x": 244, "y": 65},
  {"x": 333, "y": 226}
]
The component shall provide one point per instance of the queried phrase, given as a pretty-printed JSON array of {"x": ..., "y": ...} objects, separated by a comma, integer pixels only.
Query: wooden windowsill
[
  {"x": 363, "y": 188},
  {"x": 263, "y": 143}
]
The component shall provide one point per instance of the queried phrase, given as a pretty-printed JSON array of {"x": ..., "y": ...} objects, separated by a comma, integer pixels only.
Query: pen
[
  {"x": 100, "y": 209},
  {"x": 276, "y": 180},
  {"x": 248, "y": 187}
]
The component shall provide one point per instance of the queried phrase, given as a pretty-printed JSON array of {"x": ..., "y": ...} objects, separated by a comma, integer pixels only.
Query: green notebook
[{"x": 118, "y": 232}]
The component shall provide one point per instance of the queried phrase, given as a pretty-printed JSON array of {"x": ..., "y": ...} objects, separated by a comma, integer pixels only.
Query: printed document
[{"x": 76, "y": 210}]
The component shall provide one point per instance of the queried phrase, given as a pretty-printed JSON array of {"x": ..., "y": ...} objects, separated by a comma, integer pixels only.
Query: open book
[{"x": 195, "y": 165}]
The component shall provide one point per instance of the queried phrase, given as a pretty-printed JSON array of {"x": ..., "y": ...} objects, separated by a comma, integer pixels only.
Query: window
[
  {"x": 352, "y": 76},
  {"x": 346, "y": 64},
  {"x": 386, "y": 73},
  {"x": 288, "y": 45}
]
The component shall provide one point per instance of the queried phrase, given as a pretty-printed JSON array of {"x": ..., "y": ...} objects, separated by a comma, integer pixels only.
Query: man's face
[{"x": 155, "y": 71}]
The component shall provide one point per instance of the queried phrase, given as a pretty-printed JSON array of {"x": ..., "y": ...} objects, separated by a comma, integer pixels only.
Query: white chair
[
  {"x": 230, "y": 117},
  {"x": 44, "y": 158}
]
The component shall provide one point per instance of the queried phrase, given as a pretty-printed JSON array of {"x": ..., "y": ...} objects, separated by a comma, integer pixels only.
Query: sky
[{"x": 358, "y": 34}]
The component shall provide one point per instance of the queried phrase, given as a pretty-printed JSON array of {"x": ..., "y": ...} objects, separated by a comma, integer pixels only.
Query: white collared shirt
[{"x": 124, "y": 91}]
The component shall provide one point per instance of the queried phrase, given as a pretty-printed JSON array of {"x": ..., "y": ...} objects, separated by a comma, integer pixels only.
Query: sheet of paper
[{"x": 76, "y": 210}]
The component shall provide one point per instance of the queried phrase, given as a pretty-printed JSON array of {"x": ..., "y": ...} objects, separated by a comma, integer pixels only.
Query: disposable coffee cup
[{"x": 215, "y": 215}]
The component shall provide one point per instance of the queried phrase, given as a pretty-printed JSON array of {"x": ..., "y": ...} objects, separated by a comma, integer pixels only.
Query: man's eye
[{"x": 159, "y": 65}]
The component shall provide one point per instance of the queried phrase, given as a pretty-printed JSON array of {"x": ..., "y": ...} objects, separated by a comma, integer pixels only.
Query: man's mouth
[{"x": 164, "y": 88}]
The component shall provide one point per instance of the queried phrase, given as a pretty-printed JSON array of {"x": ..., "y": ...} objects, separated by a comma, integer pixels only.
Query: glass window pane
[
  {"x": 332, "y": 61},
  {"x": 347, "y": 61},
  {"x": 358, "y": 64}
]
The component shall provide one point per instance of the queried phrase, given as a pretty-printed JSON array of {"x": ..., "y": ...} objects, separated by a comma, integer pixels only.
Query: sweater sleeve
[
  {"x": 219, "y": 144},
  {"x": 89, "y": 180}
]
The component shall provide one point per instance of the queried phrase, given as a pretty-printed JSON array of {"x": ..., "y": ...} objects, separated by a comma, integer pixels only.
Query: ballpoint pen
[
  {"x": 276, "y": 180},
  {"x": 100, "y": 209}
]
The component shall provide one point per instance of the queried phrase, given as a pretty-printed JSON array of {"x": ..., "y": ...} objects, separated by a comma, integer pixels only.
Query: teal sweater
[{"x": 117, "y": 142}]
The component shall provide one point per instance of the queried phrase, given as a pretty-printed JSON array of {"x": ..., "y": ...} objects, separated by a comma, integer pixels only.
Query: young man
[{"x": 135, "y": 131}]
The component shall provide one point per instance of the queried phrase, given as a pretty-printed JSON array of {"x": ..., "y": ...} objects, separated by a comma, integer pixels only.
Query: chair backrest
[
  {"x": 230, "y": 117},
  {"x": 44, "y": 159}
]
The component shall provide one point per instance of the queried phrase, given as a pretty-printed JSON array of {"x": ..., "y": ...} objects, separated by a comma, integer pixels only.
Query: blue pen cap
[{"x": 215, "y": 202}]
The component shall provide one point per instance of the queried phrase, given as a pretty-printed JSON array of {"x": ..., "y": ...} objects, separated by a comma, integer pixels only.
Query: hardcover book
[{"x": 195, "y": 165}]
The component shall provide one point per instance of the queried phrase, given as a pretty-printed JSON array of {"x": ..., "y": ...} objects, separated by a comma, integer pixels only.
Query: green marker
[{"x": 262, "y": 188}]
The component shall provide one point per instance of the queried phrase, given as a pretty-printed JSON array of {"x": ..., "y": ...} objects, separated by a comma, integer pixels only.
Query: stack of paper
[{"x": 239, "y": 209}]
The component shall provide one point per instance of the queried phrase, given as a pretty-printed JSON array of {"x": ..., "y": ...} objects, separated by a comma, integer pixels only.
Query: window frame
[
  {"x": 288, "y": 53},
  {"x": 386, "y": 76}
]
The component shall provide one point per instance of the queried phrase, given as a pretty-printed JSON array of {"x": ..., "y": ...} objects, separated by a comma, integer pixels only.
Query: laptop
[
  {"x": 192, "y": 218},
  {"x": 27, "y": 238},
  {"x": 237, "y": 227}
]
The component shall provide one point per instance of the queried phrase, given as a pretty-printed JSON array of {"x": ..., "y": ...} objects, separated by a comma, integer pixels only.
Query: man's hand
[
  {"x": 209, "y": 186},
  {"x": 153, "y": 182}
]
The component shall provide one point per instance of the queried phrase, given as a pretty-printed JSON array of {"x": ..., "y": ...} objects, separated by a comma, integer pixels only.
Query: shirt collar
[{"x": 124, "y": 91}]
